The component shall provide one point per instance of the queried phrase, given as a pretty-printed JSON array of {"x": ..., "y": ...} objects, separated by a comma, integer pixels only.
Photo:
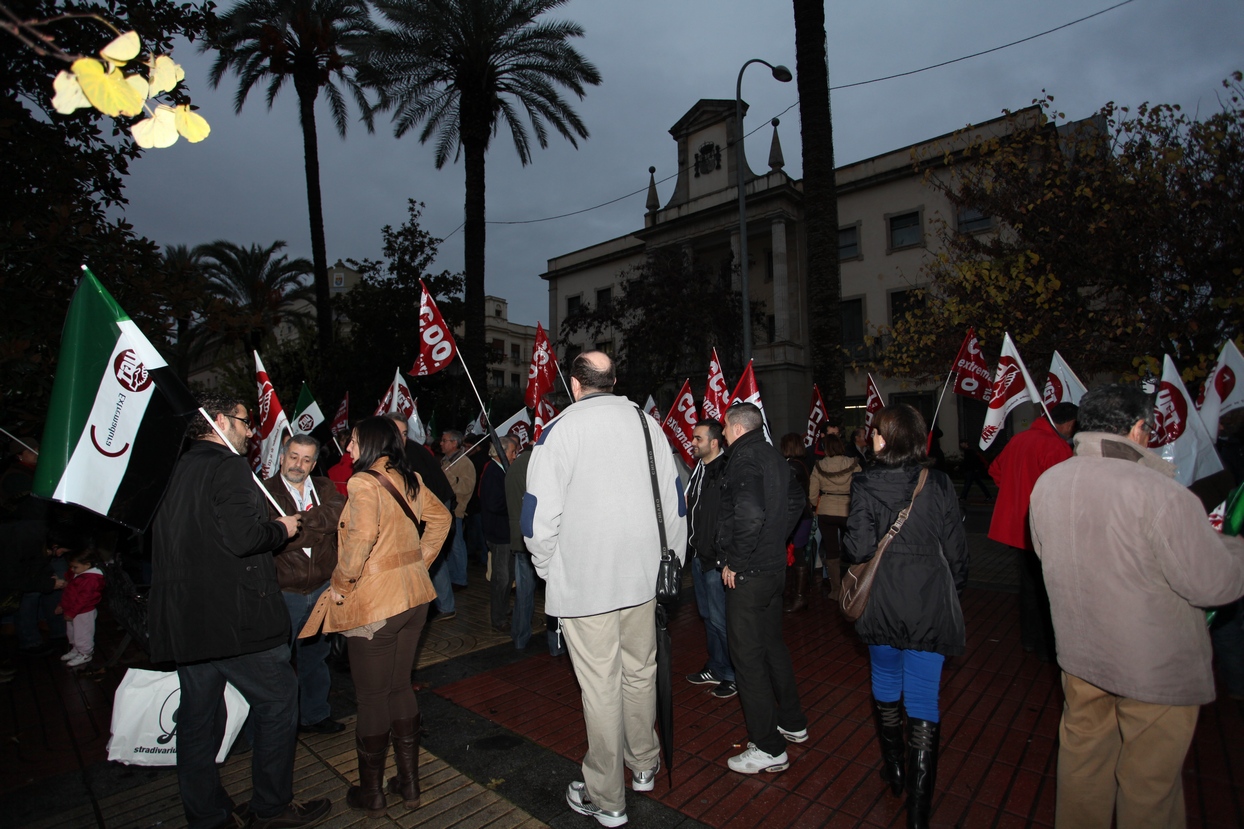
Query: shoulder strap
[
  {"x": 652, "y": 471},
  {"x": 902, "y": 516},
  {"x": 387, "y": 484}
]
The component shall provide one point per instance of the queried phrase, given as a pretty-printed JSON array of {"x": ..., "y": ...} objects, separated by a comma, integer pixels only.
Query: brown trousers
[{"x": 381, "y": 669}]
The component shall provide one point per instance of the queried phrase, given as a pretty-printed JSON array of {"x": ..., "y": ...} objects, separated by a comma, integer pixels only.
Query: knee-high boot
[
  {"x": 922, "y": 740},
  {"x": 800, "y": 598},
  {"x": 368, "y": 795},
  {"x": 893, "y": 747},
  {"x": 833, "y": 582},
  {"x": 406, "y": 758}
]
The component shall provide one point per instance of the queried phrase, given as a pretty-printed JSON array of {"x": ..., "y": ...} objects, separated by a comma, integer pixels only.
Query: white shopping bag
[{"x": 144, "y": 719}]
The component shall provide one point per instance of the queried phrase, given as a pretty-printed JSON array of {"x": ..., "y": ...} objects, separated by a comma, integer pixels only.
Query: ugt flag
[
  {"x": 1011, "y": 386},
  {"x": 519, "y": 427},
  {"x": 545, "y": 411},
  {"x": 650, "y": 407},
  {"x": 1222, "y": 392},
  {"x": 816, "y": 417},
  {"x": 971, "y": 371},
  {"x": 716, "y": 398},
  {"x": 272, "y": 421},
  {"x": 748, "y": 391},
  {"x": 872, "y": 403},
  {"x": 680, "y": 423},
  {"x": 397, "y": 398},
  {"x": 1179, "y": 435},
  {"x": 540, "y": 372},
  {"x": 436, "y": 344},
  {"x": 117, "y": 416},
  {"x": 307, "y": 414},
  {"x": 1061, "y": 384}
]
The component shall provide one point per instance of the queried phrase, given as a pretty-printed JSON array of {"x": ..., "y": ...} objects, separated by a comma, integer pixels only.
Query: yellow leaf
[
  {"x": 165, "y": 75},
  {"x": 124, "y": 48},
  {"x": 192, "y": 125},
  {"x": 69, "y": 96},
  {"x": 158, "y": 131},
  {"x": 107, "y": 91},
  {"x": 139, "y": 84}
]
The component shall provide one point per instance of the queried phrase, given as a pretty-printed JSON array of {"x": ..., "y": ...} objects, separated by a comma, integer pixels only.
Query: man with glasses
[{"x": 216, "y": 610}]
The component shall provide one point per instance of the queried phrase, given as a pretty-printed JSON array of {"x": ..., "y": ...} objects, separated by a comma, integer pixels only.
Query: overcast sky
[{"x": 245, "y": 183}]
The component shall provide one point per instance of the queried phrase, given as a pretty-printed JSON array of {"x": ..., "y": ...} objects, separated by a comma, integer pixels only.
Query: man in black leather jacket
[
  {"x": 703, "y": 505},
  {"x": 760, "y": 505}
]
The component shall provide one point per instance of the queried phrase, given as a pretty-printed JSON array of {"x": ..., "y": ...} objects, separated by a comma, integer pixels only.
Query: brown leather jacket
[
  {"x": 295, "y": 571},
  {"x": 382, "y": 561}
]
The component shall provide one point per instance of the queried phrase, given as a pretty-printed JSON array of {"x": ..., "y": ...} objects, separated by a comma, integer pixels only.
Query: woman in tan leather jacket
[
  {"x": 378, "y": 598},
  {"x": 829, "y": 490}
]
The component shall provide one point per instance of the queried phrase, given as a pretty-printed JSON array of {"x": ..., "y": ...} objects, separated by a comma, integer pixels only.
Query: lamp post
[{"x": 782, "y": 74}]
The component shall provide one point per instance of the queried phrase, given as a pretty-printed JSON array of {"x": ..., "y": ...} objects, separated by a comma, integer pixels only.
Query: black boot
[
  {"x": 406, "y": 758},
  {"x": 800, "y": 598},
  {"x": 890, "y": 733},
  {"x": 368, "y": 795},
  {"x": 922, "y": 739}
]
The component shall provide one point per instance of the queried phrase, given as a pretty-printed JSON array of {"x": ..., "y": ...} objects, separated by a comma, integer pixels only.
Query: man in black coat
[
  {"x": 760, "y": 505},
  {"x": 216, "y": 610}
]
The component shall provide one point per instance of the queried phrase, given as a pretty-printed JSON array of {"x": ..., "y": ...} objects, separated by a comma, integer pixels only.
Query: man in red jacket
[{"x": 1015, "y": 471}]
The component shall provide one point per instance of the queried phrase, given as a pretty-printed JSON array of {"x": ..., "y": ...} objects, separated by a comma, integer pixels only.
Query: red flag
[
  {"x": 816, "y": 417},
  {"x": 650, "y": 406},
  {"x": 716, "y": 398},
  {"x": 972, "y": 378},
  {"x": 397, "y": 398},
  {"x": 873, "y": 403},
  {"x": 341, "y": 420},
  {"x": 540, "y": 372},
  {"x": 436, "y": 344},
  {"x": 680, "y": 423},
  {"x": 272, "y": 421},
  {"x": 545, "y": 411},
  {"x": 748, "y": 391}
]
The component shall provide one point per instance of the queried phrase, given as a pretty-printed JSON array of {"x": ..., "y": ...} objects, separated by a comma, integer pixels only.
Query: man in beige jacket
[{"x": 1129, "y": 560}]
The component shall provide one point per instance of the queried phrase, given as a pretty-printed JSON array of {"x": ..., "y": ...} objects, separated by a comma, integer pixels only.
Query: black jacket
[
  {"x": 760, "y": 506},
  {"x": 914, "y": 604},
  {"x": 703, "y": 507},
  {"x": 494, "y": 513},
  {"x": 214, "y": 592}
]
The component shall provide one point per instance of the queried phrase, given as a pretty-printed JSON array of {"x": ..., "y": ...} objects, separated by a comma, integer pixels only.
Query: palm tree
[
  {"x": 820, "y": 203},
  {"x": 457, "y": 67},
  {"x": 259, "y": 293},
  {"x": 183, "y": 292},
  {"x": 308, "y": 42}
]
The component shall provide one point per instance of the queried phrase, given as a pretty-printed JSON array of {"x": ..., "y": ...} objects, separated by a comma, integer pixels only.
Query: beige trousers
[
  {"x": 615, "y": 659},
  {"x": 1117, "y": 753}
]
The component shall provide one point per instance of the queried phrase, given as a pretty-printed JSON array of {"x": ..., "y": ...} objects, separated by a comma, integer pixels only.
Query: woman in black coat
[{"x": 912, "y": 620}]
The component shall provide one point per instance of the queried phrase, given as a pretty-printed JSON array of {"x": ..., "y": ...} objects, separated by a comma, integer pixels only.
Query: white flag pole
[
  {"x": 234, "y": 450},
  {"x": 16, "y": 439},
  {"x": 492, "y": 433},
  {"x": 564, "y": 383},
  {"x": 933, "y": 422}
]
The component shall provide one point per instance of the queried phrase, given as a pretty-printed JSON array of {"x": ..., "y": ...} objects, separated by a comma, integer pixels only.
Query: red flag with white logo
[
  {"x": 544, "y": 412},
  {"x": 1179, "y": 435},
  {"x": 397, "y": 398},
  {"x": 341, "y": 420},
  {"x": 1012, "y": 385},
  {"x": 1222, "y": 391},
  {"x": 1061, "y": 384},
  {"x": 748, "y": 391},
  {"x": 872, "y": 403},
  {"x": 680, "y": 423},
  {"x": 272, "y": 421},
  {"x": 436, "y": 343},
  {"x": 650, "y": 408},
  {"x": 972, "y": 378},
  {"x": 540, "y": 372},
  {"x": 816, "y": 417},
  {"x": 716, "y": 398}
]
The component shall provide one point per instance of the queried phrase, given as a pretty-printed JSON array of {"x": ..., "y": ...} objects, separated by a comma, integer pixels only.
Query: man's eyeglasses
[{"x": 244, "y": 421}]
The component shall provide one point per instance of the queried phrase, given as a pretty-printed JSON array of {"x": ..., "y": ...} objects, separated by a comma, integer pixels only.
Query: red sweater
[
  {"x": 82, "y": 592},
  {"x": 340, "y": 472},
  {"x": 1015, "y": 471}
]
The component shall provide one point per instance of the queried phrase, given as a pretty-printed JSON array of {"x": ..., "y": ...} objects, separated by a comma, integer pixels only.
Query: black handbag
[{"x": 669, "y": 574}]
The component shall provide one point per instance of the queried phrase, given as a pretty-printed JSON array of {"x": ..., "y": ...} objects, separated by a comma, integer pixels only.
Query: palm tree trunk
[
  {"x": 473, "y": 346},
  {"x": 820, "y": 190},
  {"x": 307, "y": 92}
]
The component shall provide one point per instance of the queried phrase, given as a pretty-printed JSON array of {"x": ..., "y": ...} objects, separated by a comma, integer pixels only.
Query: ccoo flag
[
  {"x": 436, "y": 343},
  {"x": 679, "y": 424},
  {"x": 872, "y": 402},
  {"x": 117, "y": 415},
  {"x": 716, "y": 397},
  {"x": 816, "y": 418},
  {"x": 307, "y": 414},
  {"x": 540, "y": 372}
]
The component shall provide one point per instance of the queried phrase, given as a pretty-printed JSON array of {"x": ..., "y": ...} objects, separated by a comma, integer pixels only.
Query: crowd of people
[{"x": 250, "y": 584}]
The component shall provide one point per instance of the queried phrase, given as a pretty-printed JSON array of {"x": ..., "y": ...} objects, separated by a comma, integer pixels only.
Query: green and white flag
[
  {"x": 117, "y": 416},
  {"x": 307, "y": 414}
]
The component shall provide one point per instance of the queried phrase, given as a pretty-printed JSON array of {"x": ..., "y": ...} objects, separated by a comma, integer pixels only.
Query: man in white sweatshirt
[{"x": 590, "y": 523}]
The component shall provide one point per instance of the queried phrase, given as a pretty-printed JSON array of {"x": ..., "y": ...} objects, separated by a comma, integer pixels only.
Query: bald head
[{"x": 590, "y": 373}]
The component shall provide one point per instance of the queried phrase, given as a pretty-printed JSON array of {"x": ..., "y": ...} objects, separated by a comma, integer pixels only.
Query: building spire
[
  {"x": 776, "y": 162},
  {"x": 654, "y": 203}
]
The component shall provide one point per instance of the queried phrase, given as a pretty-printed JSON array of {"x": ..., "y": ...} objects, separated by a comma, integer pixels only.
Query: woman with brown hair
[
  {"x": 378, "y": 598},
  {"x": 912, "y": 620},
  {"x": 829, "y": 490}
]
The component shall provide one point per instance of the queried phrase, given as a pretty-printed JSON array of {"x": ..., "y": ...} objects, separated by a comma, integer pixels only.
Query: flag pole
[
  {"x": 234, "y": 450},
  {"x": 564, "y": 383},
  {"x": 933, "y": 422},
  {"x": 340, "y": 451},
  {"x": 492, "y": 433},
  {"x": 16, "y": 439}
]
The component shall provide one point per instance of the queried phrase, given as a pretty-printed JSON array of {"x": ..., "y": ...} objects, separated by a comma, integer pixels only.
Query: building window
[
  {"x": 853, "y": 326},
  {"x": 973, "y": 220},
  {"x": 515, "y": 354},
  {"x": 513, "y": 380},
  {"x": 498, "y": 351},
  {"x": 906, "y": 230},
  {"x": 849, "y": 242},
  {"x": 574, "y": 304},
  {"x": 497, "y": 379},
  {"x": 853, "y": 411},
  {"x": 604, "y": 299},
  {"x": 496, "y": 312},
  {"x": 605, "y": 346},
  {"x": 903, "y": 301}
]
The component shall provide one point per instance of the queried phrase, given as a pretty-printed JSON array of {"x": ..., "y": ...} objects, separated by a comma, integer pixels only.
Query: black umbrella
[{"x": 665, "y": 689}]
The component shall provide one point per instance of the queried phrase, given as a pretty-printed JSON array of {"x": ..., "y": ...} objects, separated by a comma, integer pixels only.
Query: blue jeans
[
  {"x": 710, "y": 598},
  {"x": 314, "y": 679},
  {"x": 267, "y": 681},
  {"x": 440, "y": 580},
  {"x": 916, "y": 676},
  {"x": 458, "y": 555},
  {"x": 524, "y": 598}
]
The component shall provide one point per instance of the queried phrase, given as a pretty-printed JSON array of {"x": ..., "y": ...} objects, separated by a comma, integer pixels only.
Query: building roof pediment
[{"x": 705, "y": 113}]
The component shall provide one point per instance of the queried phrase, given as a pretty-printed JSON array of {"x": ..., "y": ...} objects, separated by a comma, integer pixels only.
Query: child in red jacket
[{"x": 83, "y": 587}]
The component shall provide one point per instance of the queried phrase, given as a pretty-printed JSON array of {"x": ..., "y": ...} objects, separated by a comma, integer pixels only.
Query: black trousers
[
  {"x": 762, "y": 667},
  {"x": 1036, "y": 626}
]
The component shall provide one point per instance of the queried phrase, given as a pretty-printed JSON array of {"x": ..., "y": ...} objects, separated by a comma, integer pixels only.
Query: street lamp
[{"x": 782, "y": 74}]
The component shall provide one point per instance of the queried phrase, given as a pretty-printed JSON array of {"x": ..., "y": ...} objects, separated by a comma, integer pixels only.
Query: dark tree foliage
[{"x": 669, "y": 317}]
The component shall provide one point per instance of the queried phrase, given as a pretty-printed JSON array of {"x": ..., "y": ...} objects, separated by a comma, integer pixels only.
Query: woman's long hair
[
  {"x": 379, "y": 437},
  {"x": 905, "y": 434},
  {"x": 832, "y": 446}
]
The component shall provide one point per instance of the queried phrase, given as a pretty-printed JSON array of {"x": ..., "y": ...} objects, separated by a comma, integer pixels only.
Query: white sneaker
[
  {"x": 754, "y": 760},
  {"x": 645, "y": 781},
  {"x": 800, "y": 736},
  {"x": 70, "y": 655},
  {"x": 79, "y": 659},
  {"x": 579, "y": 800}
]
